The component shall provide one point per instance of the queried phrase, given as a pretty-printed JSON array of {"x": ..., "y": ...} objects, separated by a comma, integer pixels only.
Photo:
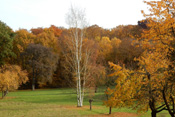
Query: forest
[{"x": 133, "y": 63}]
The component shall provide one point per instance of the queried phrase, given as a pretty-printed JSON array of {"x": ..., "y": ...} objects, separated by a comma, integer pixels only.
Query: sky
[{"x": 108, "y": 14}]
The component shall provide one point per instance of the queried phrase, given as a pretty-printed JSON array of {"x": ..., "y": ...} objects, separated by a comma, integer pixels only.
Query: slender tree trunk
[
  {"x": 96, "y": 87},
  {"x": 90, "y": 102},
  {"x": 84, "y": 78},
  {"x": 33, "y": 87},
  {"x": 77, "y": 21},
  {"x": 33, "y": 84},
  {"x": 79, "y": 91},
  {"x": 33, "y": 80},
  {"x": 83, "y": 89},
  {"x": 166, "y": 102},
  {"x": 5, "y": 92},
  {"x": 78, "y": 59},
  {"x": 80, "y": 103},
  {"x": 171, "y": 111},
  {"x": 90, "y": 106},
  {"x": 2, "y": 94},
  {"x": 107, "y": 94},
  {"x": 77, "y": 94},
  {"x": 110, "y": 110},
  {"x": 151, "y": 98}
]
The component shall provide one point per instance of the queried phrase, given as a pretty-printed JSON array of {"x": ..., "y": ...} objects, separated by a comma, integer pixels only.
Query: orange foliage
[
  {"x": 22, "y": 39},
  {"x": 152, "y": 81},
  {"x": 12, "y": 77}
]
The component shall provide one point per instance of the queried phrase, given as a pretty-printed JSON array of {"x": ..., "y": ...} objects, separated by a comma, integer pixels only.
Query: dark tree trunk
[
  {"x": 152, "y": 100},
  {"x": 96, "y": 87},
  {"x": 2, "y": 94},
  {"x": 107, "y": 94},
  {"x": 90, "y": 102},
  {"x": 33, "y": 80},
  {"x": 172, "y": 115},
  {"x": 33, "y": 86},
  {"x": 33, "y": 83},
  {"x": 153, "y": 114},
  {"x": 110, "y": 110},
  {"x": 90, "y": 106},
  {"x": 5, "y": 93},
  {"x": 166, "y": 102}
]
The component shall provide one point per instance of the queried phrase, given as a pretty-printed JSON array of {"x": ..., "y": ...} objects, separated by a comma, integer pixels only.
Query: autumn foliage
[
  {"x": 135, "y": 63},
  {"x": 155, "y": 65},
  {"x": 12, "y": 76}
]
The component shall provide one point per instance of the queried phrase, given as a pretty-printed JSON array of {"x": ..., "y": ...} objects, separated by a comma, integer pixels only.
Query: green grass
[{"x": 55, "y": 103}]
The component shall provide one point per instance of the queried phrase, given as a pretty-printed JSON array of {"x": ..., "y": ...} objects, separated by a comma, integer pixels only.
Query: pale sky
[{"x": 43, "y": 13}]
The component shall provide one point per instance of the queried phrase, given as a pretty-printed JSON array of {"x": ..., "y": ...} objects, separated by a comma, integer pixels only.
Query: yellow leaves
[
  {"x": 22, "y": 39},
  {"x": 160, "y": 23},
  {"x": 105, "y": 47},
  {"x": 115, "y": 42},
  {"x": 125, "y": 89},
  {"x": 157, "y": 42},
  {"x": 48, "y": 39},
  {"x": 115, "y": 67},
  {"x": 11, "y": 77},
  {"x": 153, "y": 61},
  {"x": 105, "y": 40},
  {"x": 97, "y": 38},
  {"x": 132, "y": 84}
]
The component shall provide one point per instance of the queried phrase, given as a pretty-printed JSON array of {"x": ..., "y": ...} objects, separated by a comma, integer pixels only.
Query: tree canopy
[
  {"x": 41, "y": 62},
  {"x": 6, "y": 43}
]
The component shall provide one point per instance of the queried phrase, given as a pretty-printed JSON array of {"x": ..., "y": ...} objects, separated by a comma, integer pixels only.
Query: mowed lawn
[{"x": 58, "y": 103}]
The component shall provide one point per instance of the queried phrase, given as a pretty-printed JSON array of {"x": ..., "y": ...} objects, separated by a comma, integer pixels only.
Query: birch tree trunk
[{"x": 77, "y": 24}]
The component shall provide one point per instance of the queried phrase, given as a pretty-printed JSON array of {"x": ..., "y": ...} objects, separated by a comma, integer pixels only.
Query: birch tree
[{"x": 76, "y": 21}]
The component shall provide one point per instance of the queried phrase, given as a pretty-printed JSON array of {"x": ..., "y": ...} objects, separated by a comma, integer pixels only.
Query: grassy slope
[{"x": 53, "y": 103}]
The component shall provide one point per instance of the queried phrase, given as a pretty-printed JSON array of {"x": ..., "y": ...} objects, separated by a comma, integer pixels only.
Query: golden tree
[
  {"x": 49, "y": 38},
  {"x": 143, "y": 85},
  {"x": 160, "y": 38},
  {"x": 125, "y": 89},
  {"x": 11, "y": 77},
  {"x": 155, "y": 67}
]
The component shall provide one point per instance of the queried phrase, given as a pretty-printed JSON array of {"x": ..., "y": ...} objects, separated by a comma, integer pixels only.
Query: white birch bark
[{"x": 77, "y": 22}]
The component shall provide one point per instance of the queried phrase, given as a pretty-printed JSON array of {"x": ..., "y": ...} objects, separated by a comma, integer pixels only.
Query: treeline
[
  {"x": 137, "y": 60},
  {"x": 42, "y": 53}
]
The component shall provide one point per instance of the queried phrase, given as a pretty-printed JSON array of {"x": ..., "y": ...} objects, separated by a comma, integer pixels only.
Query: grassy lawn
[{"x": 57, "y": 103}]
